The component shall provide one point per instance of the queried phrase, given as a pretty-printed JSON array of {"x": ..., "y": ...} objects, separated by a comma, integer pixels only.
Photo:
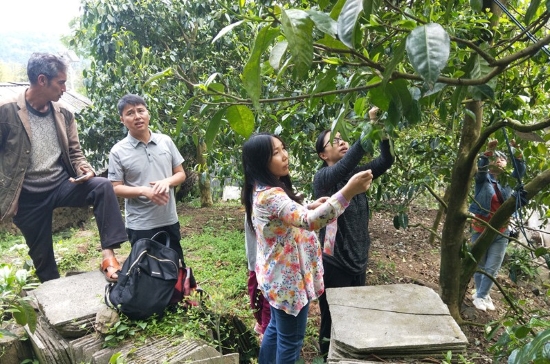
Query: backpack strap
[{"x": 166, "y": 237}]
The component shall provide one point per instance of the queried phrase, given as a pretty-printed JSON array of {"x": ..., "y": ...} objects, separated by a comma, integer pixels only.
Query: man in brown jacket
[{"x": 42, "y": 167}]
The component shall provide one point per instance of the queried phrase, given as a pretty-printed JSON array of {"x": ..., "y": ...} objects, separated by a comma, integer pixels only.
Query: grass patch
[{"x": 218, "y": 261}]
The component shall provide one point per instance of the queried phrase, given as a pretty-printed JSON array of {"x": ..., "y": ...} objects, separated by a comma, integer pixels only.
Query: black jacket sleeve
[{"x": 326, "y": 180}]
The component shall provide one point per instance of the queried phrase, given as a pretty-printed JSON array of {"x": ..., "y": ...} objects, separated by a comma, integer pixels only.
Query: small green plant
[
  {"x": 448, "y": 359},
  {"x": 125, "y": 329},
  {"x": 521, "y": 265},
  {"x": 30, "y": 361},
  {"x": 12, "y": 306},
  {"x": 117, "y": 358}
]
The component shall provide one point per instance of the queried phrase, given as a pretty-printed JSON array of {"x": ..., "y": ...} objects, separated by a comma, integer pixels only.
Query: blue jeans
[
  {"x": 490, "y": 263},
  {"x": 283, "y": 337}
]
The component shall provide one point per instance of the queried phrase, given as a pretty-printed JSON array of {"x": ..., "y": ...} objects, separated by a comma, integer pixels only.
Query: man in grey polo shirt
[{"x": 143, "y": 168}]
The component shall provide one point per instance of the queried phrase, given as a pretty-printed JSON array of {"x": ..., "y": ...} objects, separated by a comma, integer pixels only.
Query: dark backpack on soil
[{"x": 146, "y": 282}]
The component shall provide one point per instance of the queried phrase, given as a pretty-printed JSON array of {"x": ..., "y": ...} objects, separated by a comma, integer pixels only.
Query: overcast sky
[{"x": 38, "y": 15}]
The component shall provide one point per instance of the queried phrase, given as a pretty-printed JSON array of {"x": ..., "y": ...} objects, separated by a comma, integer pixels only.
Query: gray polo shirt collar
[{"x": 154, "y": 138}]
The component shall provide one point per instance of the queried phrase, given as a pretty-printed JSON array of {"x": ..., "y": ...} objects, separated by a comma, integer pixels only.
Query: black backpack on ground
[{"x": 146, "y": 282}]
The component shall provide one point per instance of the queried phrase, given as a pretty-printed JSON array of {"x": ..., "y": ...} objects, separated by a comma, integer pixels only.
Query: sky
[{"x": 52, "y": 16}]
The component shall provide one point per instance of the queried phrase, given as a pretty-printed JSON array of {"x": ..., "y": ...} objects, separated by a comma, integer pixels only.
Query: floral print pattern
[{"x": 289, "y": 264}]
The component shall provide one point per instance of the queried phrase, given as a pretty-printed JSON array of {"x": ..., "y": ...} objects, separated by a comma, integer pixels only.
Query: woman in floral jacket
[{"x": 288, "y": 264}]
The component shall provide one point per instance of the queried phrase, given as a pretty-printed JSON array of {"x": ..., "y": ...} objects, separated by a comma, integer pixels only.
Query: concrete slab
[
  {"x": 70, "y": 303},
  {"x": 402, "y": 320},
  {"x": 65, "y": 332}
]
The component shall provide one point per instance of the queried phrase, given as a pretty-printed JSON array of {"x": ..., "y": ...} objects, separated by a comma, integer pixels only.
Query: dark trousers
[
  {"x": 172, "y": 230},
  {"x": 334, "y": 277},
  {"x": 34, "y": 219}
]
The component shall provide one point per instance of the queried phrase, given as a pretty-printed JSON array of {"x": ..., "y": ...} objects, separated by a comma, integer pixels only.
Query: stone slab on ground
[
  {"x": 49, "y": 347},
  {"x": 391, "y": 321},
  {"x": 65, "y": 334},
  {"x": 83, "y": 349},
  {"x": 70, "y": 303},
  {"x": 166, "y": 351}
]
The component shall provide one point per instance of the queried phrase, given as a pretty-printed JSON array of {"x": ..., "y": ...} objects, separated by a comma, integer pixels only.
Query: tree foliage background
[{"x": 447, "y": 75}]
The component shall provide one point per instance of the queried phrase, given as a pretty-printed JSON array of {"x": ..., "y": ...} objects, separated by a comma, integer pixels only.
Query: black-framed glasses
[{"x": 334, "y": 141}]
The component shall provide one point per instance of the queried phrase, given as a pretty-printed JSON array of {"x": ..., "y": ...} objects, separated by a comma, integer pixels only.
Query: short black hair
[
  {"x": 129, "y": 99},
  {"x": 45, "y": 64}
]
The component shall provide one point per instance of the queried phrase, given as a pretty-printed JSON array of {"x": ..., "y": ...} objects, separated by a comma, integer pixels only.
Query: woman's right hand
[{"x": 358, "y": 183}]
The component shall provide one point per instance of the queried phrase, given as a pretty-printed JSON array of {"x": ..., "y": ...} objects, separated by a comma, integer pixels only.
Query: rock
[
  {"x": 105, "y": 318},
  {"x": 12, "y": 348}
]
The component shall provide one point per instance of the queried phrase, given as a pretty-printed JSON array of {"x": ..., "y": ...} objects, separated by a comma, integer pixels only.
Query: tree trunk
[
  {"x": 204, "y": 176},
  {"x": 453, "y": 233}
]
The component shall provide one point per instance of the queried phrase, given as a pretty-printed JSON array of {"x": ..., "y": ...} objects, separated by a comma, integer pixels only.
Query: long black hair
[
  {"x": 320, "y": 145},
  {"x": 257, "y": 153}
]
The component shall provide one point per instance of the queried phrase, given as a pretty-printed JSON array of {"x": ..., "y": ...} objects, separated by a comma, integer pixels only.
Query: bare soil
[{"x": 402, "y": 256}]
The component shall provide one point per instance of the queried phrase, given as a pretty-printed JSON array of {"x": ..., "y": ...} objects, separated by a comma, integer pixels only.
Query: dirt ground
[{"x": 402, "y": 256}]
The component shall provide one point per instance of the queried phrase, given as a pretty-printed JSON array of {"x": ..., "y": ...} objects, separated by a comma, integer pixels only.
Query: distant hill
[{"x": 16, "y": 47}]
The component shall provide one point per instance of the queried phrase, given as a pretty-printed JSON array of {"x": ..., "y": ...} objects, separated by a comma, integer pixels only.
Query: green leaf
[
  {"x": 251, "y": 71},
  {"x": 369, "y": 6},
  {"x": 323, "y": 22},
  {"x": 539, "y": 252},
  {"x": 298, "y": 30},
  {"x": 25, "y": 315},
  {"x": 277, "y": 53},
  {"x": 527, "y": 353},
  {"x": 481, "y": 92},
  {"x": 332, "y": 43},
  {"x": 398, "y": 55},
  {"x": 213, "y": 128},
  {"x": 531, "y": 10},
  {"x": 401, "y": 221},
  {"x": 216, "y": 88},
  {"x": 241, "y": 119},
  {"x": 480, "y": 68},
  {"x": 476, "y": 5},
  {"x": 458, "y": 95},
  {"x": 338, "y": 124},
  {"x": 168, "y": 72},
  {"x": 522, "y": 331},
  {"x": 337, "y": 9},
  {"x": 325, "y": 81},
  {"x": 399, "y": 94},
  {"x": 347, "y": 19},
  {"x": 428, "y": 48},
  {"x": 361, "y": 106},
  {"x": 226, "y": 30},
  {"x": 186, "y": 108}
]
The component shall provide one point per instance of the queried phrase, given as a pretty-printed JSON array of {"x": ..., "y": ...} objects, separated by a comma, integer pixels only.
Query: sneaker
[
  {"x": 489, "y": 303},
  {"x": 480, "y": 304}
]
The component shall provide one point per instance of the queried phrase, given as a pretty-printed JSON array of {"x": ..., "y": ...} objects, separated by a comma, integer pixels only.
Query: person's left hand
[{"x": 86, "y": 175}]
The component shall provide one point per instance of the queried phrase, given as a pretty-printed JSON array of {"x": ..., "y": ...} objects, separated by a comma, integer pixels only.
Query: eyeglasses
[{"x": 334, "y": 141}]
